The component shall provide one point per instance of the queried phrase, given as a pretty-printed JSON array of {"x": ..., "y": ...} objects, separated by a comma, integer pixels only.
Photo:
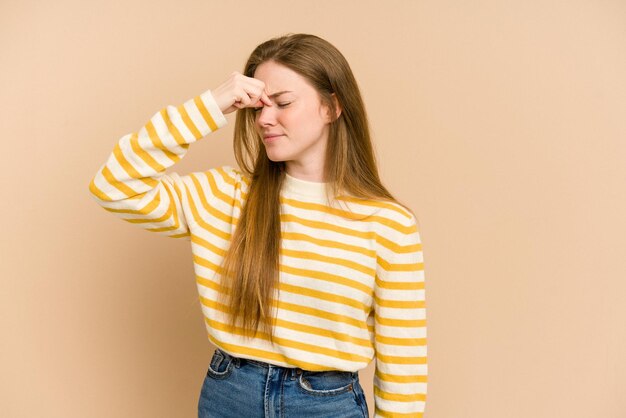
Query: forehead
[{"x": 279, "y": 78}]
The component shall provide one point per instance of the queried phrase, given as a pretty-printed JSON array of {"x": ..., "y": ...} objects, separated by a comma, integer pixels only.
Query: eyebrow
[{"x": 279, "y": 93}]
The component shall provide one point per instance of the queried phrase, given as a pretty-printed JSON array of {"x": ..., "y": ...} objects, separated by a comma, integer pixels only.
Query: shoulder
[
  {"x": 228, "y": 183},
  {"x": 394, "y": 213},
  {"x": 227, "y": 176},
  {"x": 397, "y": 229}
]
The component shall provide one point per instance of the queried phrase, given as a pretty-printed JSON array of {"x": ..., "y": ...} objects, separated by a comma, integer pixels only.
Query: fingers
[
  {"x": 248, "y": 92},
  {"x": 241, "y": 100},
  {"x": 257, "y": 93},
  {"x": 256, "y": 98},
  {"x": 261, "y": 95},
  {"x": 265, "y": 99}
]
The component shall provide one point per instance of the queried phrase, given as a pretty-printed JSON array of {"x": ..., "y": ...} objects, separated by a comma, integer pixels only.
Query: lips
[{"x": 269, "y": 137}]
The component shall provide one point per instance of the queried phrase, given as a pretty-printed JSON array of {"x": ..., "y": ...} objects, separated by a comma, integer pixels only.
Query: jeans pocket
[
  {"x": 221, "y": 365},
  {"x": 326, "y": 383}
]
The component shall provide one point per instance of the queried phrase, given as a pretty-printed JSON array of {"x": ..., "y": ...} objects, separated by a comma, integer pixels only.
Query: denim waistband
[{"x": 291, "y": 371}]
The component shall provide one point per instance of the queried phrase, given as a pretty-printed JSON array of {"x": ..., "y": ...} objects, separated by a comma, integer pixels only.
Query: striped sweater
[{"x": 350, "y": 290}]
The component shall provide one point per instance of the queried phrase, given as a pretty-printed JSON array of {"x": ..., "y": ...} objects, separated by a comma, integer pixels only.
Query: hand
[{"x": 240, "y": 91}]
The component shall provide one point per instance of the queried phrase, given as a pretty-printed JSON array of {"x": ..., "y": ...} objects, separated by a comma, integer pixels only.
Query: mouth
[{"x": 271, "y": 138}]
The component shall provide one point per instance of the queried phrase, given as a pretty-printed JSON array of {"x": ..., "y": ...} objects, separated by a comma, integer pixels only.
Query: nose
[{"x": 265, "y": 116}]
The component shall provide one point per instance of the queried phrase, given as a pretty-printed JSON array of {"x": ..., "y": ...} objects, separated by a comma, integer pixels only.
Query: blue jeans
[{"x": 242, "y": 388}]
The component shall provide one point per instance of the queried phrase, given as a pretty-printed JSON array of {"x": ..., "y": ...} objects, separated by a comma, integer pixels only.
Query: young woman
[{"x": 307, "y": 268}]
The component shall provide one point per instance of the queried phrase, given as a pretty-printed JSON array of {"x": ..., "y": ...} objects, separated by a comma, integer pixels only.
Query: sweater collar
[{"x": 304, "y": 187}]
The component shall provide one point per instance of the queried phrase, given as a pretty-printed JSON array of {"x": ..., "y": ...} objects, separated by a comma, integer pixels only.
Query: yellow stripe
[
  {"x": 401, "y": 360},
  {"x": 414, "y": 285},
  {"x": 130, "y": 170},
  {"x": 397, "y": 248},
  {"x": 395, "y": 378},
  {"x": 147, "y": 210},
  {"x": 412, "y": 266},
  {"x": 172, "y": 129},
  {"x": 389, "y": 414},
  {"x": 329, "y": 316},
  {"x": 163, "y": 229},
  {"x": 230, "y": 180},
  {"x": 149, "y": 207},
  {"x": 400, "y": 397},
  {"x": 326, "y": 296},
  {"x": 323, "y": 332},
  {"x": 208, "y": 246},
  {"x": 402, "y": 323},
  {"x": 126, "y": 190},
  {"x": 145, "y": 156},
  {"x": 209, "y": 284},
  {"x": 206, "y": 263},
  {"x": 377, "y": 204},
  {"x": 400, "y": 304},
  {"x": 329, "y": 277},
  {"x": 309, "y": 256},
  {"x": 188, "y": 122},
  {"x": 412, "y": 342},
  {"x": 97, "y": 192},
  {"x": 154, "y": 137},
  {"x": 327, "y": 226},
  {"x": 206, "y": 115},
  {"x": 330, "y": 244}
]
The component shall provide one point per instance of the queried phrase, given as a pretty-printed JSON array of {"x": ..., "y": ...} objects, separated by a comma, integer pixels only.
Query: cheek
[
  {"x": 301, "y": 119},
  {"x": 291, "y": 120}
]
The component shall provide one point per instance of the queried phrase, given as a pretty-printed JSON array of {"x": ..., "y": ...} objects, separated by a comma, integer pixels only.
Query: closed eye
[{"x": 281, "y": 105}]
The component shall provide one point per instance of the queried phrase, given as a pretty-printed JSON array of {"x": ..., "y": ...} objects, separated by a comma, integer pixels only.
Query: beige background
[{"x": 502, "y": 124}]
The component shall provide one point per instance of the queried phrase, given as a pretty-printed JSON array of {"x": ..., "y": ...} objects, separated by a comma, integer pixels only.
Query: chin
[{"x": 276, "y": 157}]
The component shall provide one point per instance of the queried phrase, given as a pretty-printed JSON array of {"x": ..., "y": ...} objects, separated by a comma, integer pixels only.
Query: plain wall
[{"x": 501, "y": 123}]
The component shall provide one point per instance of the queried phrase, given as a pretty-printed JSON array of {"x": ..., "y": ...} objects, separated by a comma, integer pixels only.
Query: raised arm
[{"x": 132, "y": 183}]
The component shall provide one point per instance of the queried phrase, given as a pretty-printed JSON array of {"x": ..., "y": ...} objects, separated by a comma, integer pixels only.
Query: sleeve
[
  {"x": 132, "y": 183},
  {"x": 400, "y": 326}
]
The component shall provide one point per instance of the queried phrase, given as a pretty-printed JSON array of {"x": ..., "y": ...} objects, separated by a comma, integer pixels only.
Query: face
[{"x": 297, "y": 117}]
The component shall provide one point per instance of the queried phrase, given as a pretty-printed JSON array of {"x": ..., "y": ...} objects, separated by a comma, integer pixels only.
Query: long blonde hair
[{"x": 251, "y": 265}]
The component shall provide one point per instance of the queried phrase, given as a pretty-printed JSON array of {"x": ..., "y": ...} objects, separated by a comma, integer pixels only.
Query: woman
[{"x": 307, "y": 268}]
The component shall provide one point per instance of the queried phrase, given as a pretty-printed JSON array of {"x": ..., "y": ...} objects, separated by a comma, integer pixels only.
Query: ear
[{"x": 328, "y": 119}]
